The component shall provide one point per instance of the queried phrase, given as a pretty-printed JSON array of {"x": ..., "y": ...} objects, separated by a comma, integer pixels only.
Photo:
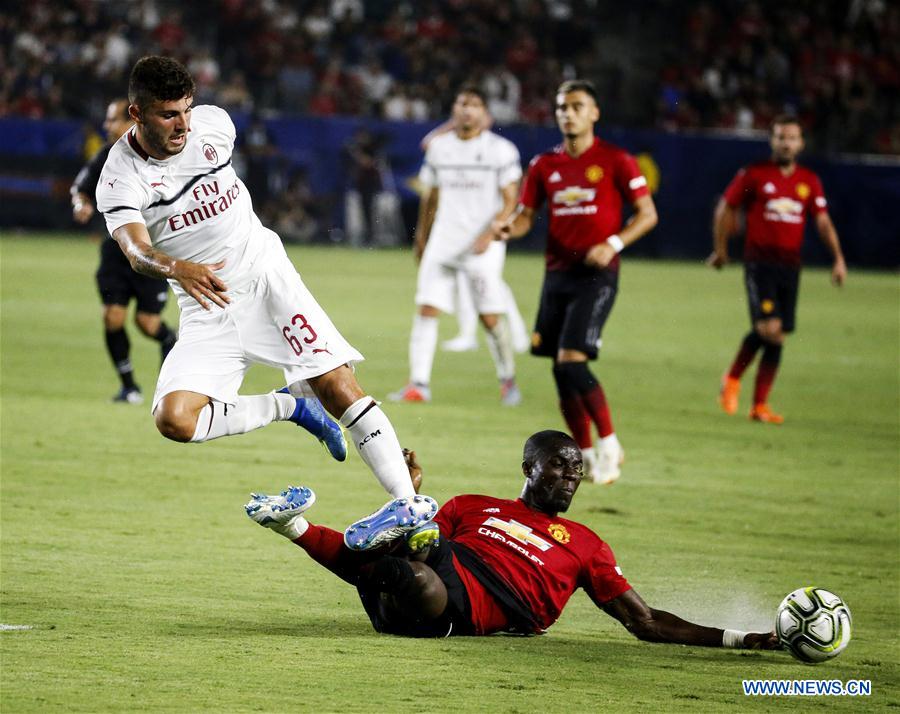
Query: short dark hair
[
  {"x": 473, "y": 89},
  {"x": 158, "y": 79},
  {"x": 579, "y": 85},
  {"x": 783, "y": 119},
  {"x": 543, "y": 441}
]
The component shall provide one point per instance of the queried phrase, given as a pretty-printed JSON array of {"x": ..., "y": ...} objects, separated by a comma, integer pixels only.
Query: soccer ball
[{"x": 813, "y": 624}]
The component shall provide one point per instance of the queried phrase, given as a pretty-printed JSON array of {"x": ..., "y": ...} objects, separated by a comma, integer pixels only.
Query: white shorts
[
  {"x": 276, "y": 322},
  {"x": 437, "y": 280}
]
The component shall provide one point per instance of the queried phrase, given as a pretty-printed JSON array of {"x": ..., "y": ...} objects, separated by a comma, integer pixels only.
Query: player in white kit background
[
  {"x": 173, "y": 201},
  {"x": 470, "y": 177}
]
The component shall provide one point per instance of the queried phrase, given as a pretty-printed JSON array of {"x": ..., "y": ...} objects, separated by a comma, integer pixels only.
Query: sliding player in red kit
[
  {"x": 777, "y": 196},
  {"x": 495, "y": 564}
]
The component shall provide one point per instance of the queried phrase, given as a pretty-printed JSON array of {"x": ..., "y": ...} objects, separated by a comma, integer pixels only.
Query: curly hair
[{"x": 156, "y": 78}]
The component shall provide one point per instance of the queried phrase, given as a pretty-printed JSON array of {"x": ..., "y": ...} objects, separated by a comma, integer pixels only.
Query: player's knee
[
  {"x": 175, "y": 422},
  {"x": 771, "y": 331},
  {"x": 113, "y": 318},
  {"x": 147, "y": 324}
]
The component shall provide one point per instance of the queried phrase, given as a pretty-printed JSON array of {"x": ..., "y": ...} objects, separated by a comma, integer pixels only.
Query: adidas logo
[
  {"x": 554, "y": 177},
  {"x": 491, "y": 510}
]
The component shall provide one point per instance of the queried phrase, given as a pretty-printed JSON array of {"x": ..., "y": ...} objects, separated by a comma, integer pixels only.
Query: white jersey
[
  {"x": 469, "y": 175},
  {"x": 193, "y": 204}
]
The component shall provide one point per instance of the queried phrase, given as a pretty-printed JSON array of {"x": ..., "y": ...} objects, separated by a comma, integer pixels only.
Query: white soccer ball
[{"x": 813, "y": 624}]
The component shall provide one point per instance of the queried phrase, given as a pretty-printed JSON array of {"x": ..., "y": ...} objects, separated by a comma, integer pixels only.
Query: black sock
[
  {"x": 118, "y": 346},
  {"x": 166, "y": 338}
]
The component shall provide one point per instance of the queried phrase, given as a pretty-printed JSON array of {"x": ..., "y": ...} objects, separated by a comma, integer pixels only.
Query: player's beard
[{"x": 159, "y": 142}]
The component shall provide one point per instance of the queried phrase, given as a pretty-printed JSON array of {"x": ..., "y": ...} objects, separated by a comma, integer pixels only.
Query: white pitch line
[{"x": 6, "y": 628}]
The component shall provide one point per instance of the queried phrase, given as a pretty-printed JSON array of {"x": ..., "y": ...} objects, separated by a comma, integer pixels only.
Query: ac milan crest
[{"x": 209, "y": 152}]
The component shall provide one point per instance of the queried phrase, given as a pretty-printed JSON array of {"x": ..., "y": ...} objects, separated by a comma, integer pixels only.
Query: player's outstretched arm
[
  {"x": 652, "y": 625},
  {"x": 198, "y": 279},
  {"x": 828, "y": 234},
  {"x": 428, "y": 205},
  {"x": 725, "y": 221},
  {"x": 517, "y": 225}
]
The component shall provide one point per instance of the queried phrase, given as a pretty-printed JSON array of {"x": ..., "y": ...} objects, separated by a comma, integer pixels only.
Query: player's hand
[
  {"x": 838, "y": 272},
  {"x": 82, "y": 211},
  {"x": 415, "y": 471},
  {"x": 717, "y": 260},
  {"x": 199, "y": 280},
  {"x": 501, "y": 230},
  {"x": 483, "y": 242},
  {"x": 761, "y": 641},
  {"x": 600, "y": 256}
]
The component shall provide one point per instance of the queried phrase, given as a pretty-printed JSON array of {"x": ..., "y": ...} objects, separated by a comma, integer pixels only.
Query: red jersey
[
  {"x": 776, "y": 207},
  {"x": 585, "y": 197},
  {"x": 542, "y": 558}
]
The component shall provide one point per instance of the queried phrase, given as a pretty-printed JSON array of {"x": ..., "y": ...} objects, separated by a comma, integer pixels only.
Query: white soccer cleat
[
  {"x": 610, "y": 456},
  {"x": 282, "y": 513},
  {"x": 460, "y": 343}
]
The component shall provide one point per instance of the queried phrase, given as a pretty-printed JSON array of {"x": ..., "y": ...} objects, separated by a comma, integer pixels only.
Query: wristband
[
  {"x": 733, "y": 639},
  {"x": 615, "y": 242}
]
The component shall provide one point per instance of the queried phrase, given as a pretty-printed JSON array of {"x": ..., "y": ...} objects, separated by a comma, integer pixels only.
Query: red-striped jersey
[
  {"x": 543, "y": 559},
  {"x": 776, "y": 207},
  {"x": 585, "y": 196}
]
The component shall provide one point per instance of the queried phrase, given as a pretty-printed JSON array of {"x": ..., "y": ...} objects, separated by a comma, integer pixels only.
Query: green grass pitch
[{"x": 148, "y": 589}]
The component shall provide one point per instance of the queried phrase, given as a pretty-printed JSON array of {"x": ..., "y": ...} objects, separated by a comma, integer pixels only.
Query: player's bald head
[{"x": 545, "y": 442}]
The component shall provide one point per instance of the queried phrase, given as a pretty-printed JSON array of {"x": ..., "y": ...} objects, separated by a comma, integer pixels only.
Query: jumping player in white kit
[
  {"x": 471, "y": 176},
  {"x": 173, "y": 201}
]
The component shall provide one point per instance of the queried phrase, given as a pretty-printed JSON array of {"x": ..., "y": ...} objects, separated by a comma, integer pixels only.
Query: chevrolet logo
[
  {"x": 521, "y": 533},
  {"x": 573, "y": 195}
]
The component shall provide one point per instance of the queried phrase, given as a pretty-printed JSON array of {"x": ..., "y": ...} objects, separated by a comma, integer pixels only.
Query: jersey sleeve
[
  {"x": 532, "y": 194},
  {"x": 119, "y": 200},
  {"x": 221, "y": 122},
  {"x": 603, "y": 579},
  {"x": 510, "y": 169},
  {"x": 630, "y": 181},
  {"x": 428, "y": 174},
  {"x": 817, "y": 202},
  {"x": 738, "y": 190}
]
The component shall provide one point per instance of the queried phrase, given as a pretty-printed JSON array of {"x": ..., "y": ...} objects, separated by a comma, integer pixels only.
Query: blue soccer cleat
[
  {"x": 311, "y": 415},
  {"x": 279, "y": 512},
  {"x": 396, "y": 518}
]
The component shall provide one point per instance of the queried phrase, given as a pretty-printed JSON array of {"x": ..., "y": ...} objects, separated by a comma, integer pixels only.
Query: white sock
[
  {"x": 466, "y": 315},
  {"x": 377, "y": 444},
  {"x": 293, "y": 529},
  {"x": 500, "y": 345},
  {"x": 422, "y": 344},
  {"x": 246, "y": 414},
  {"x": 519, "y": 335},
  {"x": 609, "y": 442}
]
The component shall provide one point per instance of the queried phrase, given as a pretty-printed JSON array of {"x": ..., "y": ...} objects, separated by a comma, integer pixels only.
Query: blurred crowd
[
  {"x": 731, "y": 63},
  {"x": 735, "y": 65}
]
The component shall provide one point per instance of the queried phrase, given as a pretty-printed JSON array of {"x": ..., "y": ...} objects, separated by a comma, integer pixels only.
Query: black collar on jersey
[{"x": 134, "y": 144}]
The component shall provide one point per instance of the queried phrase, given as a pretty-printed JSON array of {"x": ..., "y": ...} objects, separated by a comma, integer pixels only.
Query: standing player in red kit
[
  {"x": 586, "y": 182},
  {"x": 499, "y": 565},
  {"x": 777, "y": 196}
]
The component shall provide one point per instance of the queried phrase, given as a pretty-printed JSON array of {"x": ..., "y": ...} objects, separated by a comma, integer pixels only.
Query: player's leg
[
  {"x": 485, "y": 272},
  {"x": 112, "y": 283},
  {"x": 758, "y": 291},
  {"x": 435, "y": 287},
  {"x": 466, "y": 316},
  {"x": 579, "y": 342},
  {"x": 371, "y": 431},
  {"x": 151, "y": 296},
  {"x": 777, "y": 320},
  {"x": 521, "y": 338},
  {"x": 196, "y": 396}
]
